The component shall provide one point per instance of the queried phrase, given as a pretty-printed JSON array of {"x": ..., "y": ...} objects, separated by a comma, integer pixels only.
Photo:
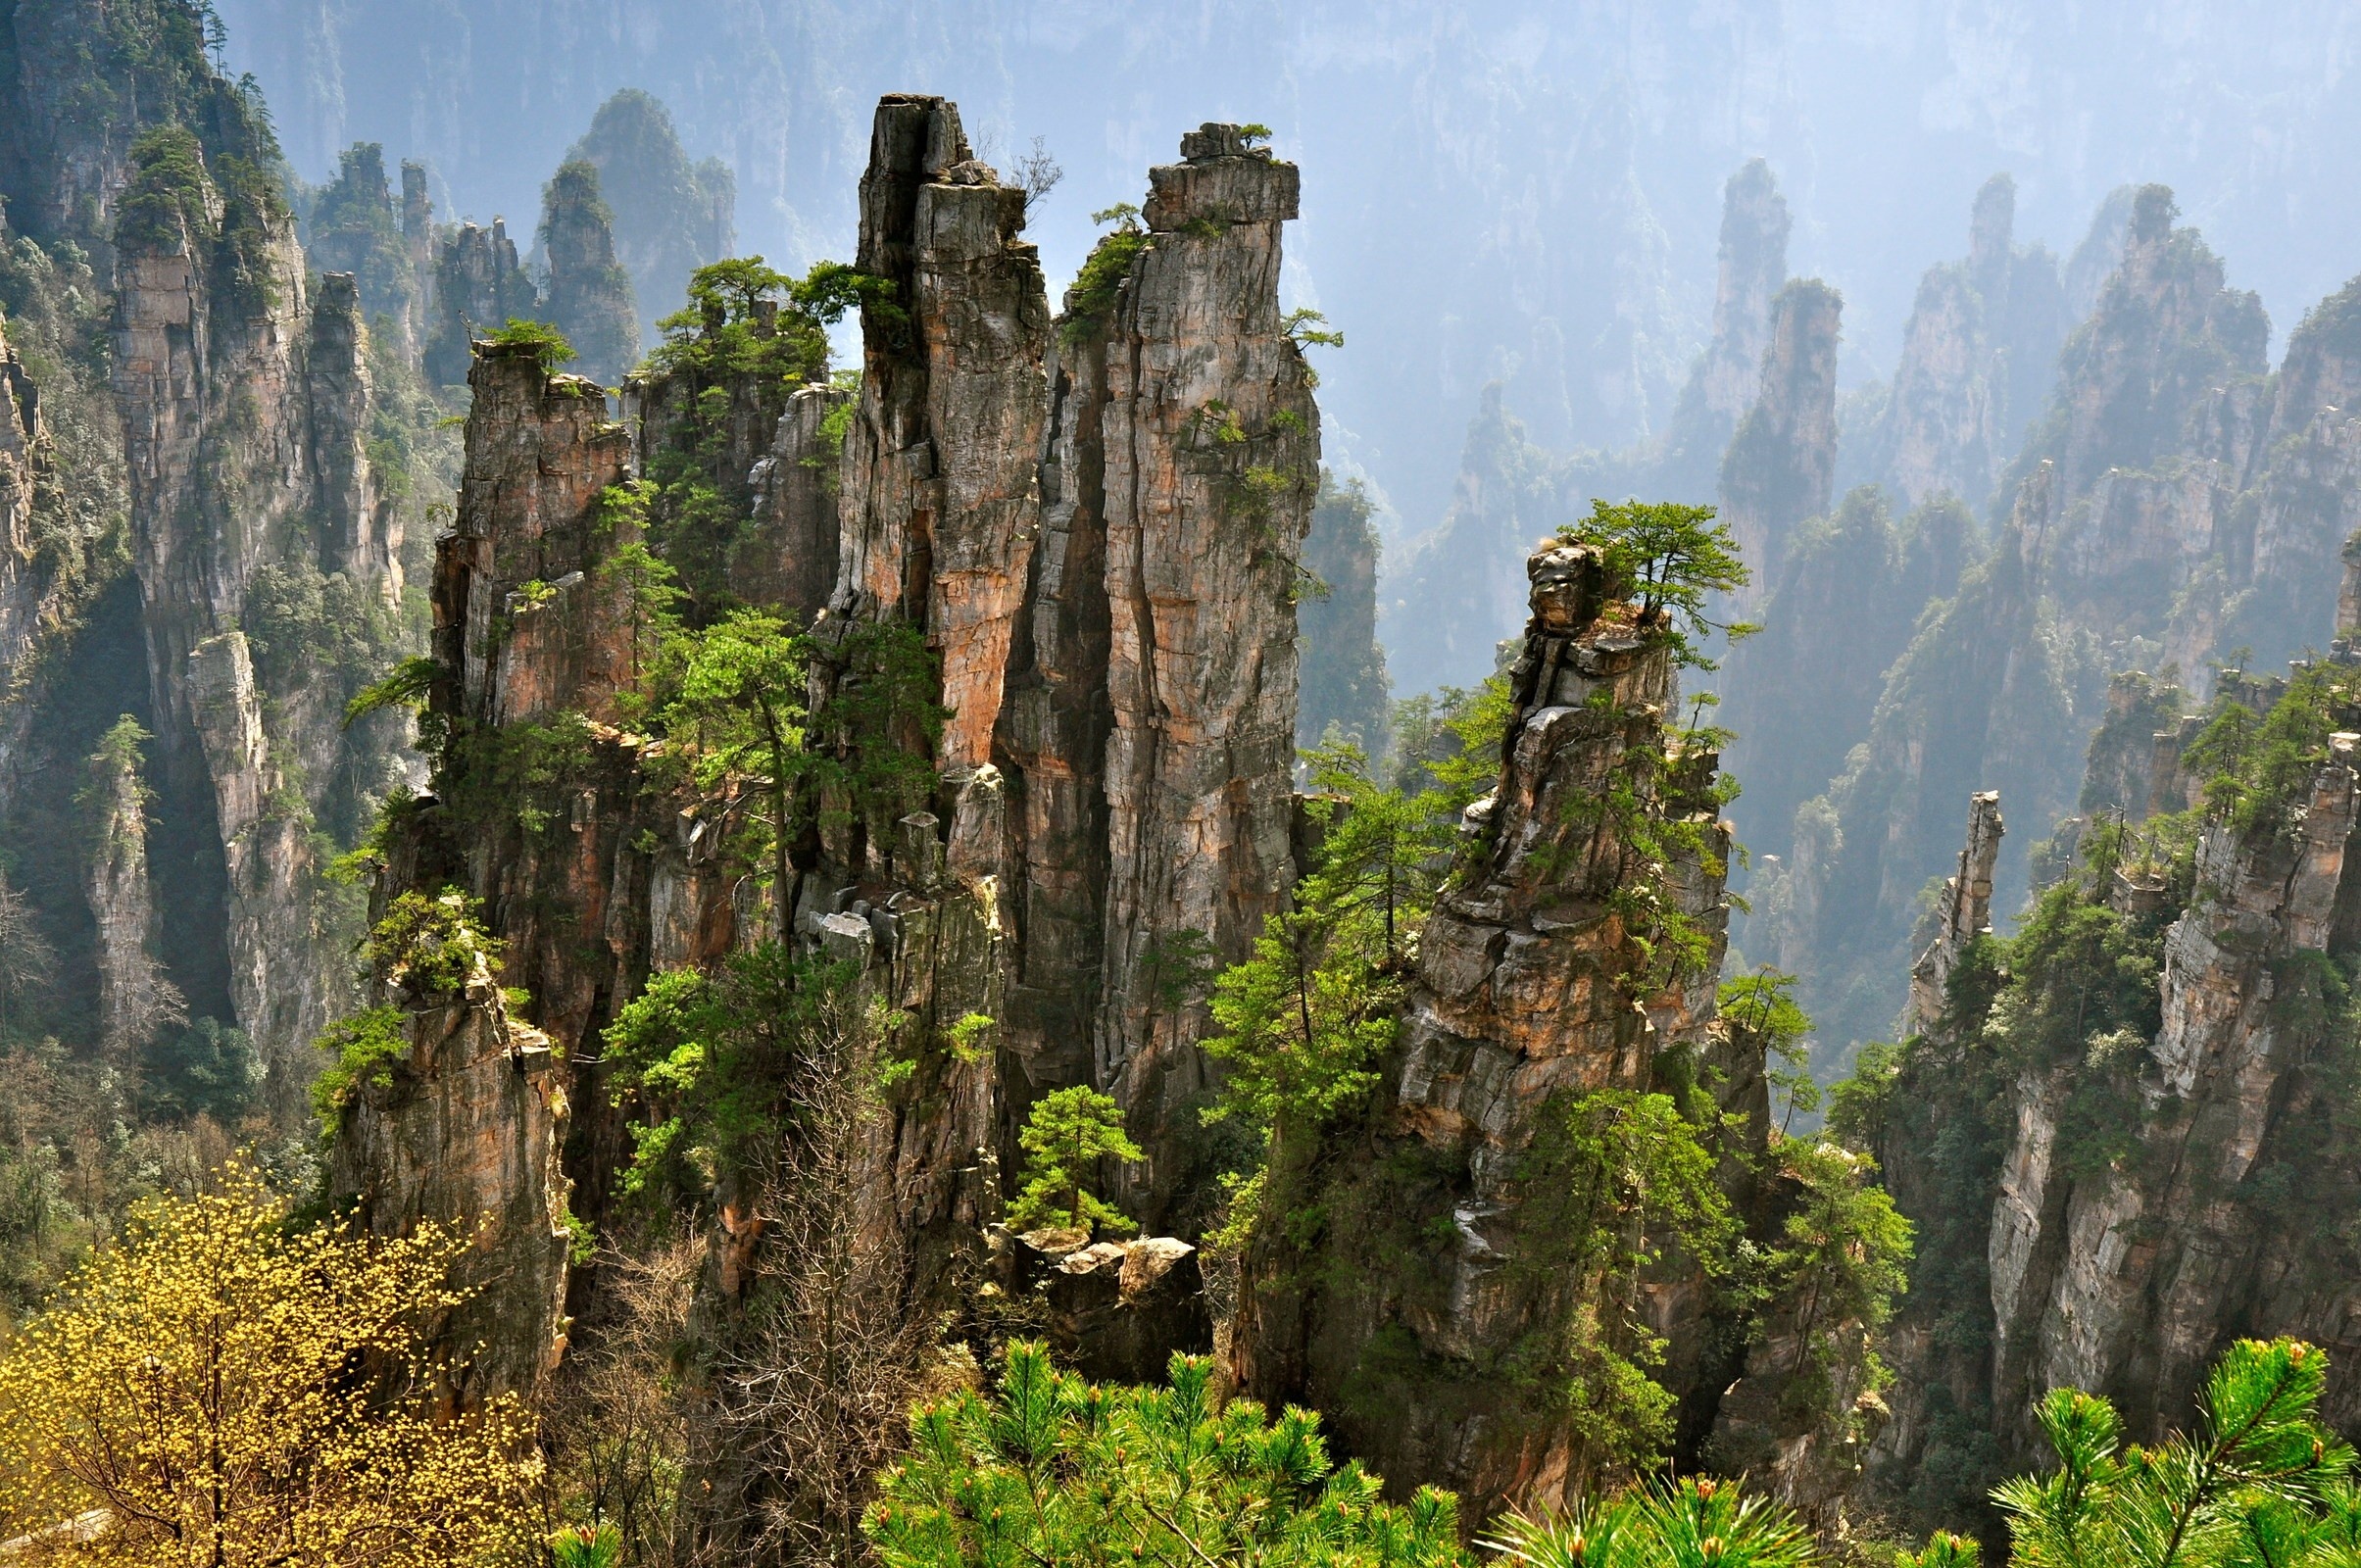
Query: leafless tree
[
  {"x": 617, "y": 1431},
  {"x": 1037, "y": 174},
  {"x": 25, "y": 959},
  {"x": 813, "y": 1389}
]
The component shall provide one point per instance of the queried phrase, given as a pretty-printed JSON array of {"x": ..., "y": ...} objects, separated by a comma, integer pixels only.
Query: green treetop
[
  {"x": 1067, "y": 1131},
  {"x": 1048, "y": 1469},
  {"x": 1673, "y": 561}
]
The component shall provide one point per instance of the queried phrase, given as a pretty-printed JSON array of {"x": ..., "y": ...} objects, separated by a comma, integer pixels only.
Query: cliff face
[
  {"x": 1783, "y": 459},
  {"x": 1344, "y": 670},
  {"x": 1801, "y": 693},
  {"x": 1530, "y": 991},
  {"x": 1750, "y": 270},
  {"x": 1977, "y": 359},
  {"x": 25, "y": 461},
  {"x": 2158, "y": 514},
  {"x": 245, "y": 405},
  {"x": 478, "y": 284},
  {"x": 589, "y": 293},
  {"x": 1213, "y": 448}
]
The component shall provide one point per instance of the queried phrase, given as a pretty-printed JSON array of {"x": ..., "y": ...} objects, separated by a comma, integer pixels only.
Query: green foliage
[
  {"x": 353, "y": 228},
  {"x": 205, "y": 1069},
  {"x": 1065, "y": 1135},
  {"x": 586, "y": 1546},
  {"x": 2258, "y": 771},
  {"x": 1840, "y": 1261},
  {"x": 1615, "y": 1178},
  {"x": 1304, "y": 1018},
  {"x": 360, "y": 1049},
  {"x": 704, "y": 1064},
  {"x": 2262, "y": 1484},
  {"x": 1674, "y": 562},
  {"x": 1090, "y": 304},
  {"x": 405, "y": 685},
  {"x": 547, "y": 343},
  {"x": 162, "y": 204},
  {"x": 1449, "y": 741},
  {"x": 430, "y": 942},
  {"x": 1689, "y": 1521},
  {"x": 1049, "y": 1469},
  {"x": 1304, "y": 328},
  {"x": 1762, "y": 1014}
]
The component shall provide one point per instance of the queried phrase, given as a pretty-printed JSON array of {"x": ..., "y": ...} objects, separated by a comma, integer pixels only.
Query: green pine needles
[
  {"x": 1065, "y": 1135},
  {"x": 2261, "y": 1484},
  {"x": 1046, "y": 1468}
]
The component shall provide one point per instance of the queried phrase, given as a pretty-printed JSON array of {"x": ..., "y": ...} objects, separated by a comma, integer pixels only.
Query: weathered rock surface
[
  {"x": 1977, "y": 359},
  {"x": 1966, "y": 910},
  {"x": 26, "y": 457},
  {"x": 244, "y": 402},
  {"x": 464, "y": 1133},
  {"x": 1750, "y": 270},
  {"x": 478, "y": 284},
  {"x": 1529, "y": 991},
  {"x": 1118, "y": 1310},
  {"x": 1783, "y": 459},
  {"x": 590, "y": 297},
  {"x": 1211, "y": 445},
  {"x": 787, "y": 560},
  {"x": 133, "y": 996}
]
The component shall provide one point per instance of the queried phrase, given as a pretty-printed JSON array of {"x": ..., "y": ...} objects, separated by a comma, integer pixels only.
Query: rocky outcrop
[
  {"x": 245, "y": 402},
  {"x": 1977, "y": 355},
  {"x": 134, "y": 997},
  {"x": 1783, "y": 459},
  {"x": 1116, "y": 1311},
  {"x": 1966, "y": 912},
  {"x": 589, "y": 293},
  {"x": 464, "y": 1131},
  {"x": 940, "y": 499},
  {"x": 478, "y": 285},
  {"x": 671, "y": 217},
  {"x": 1344, "y": 670},
  {"x": 1529, "y": 991},
  {"x": 355, "y": 227},
  {"x": 1461, "y": 590},
  {"x": 787, "y": 560},
  {"x": 1727, "y": 381},
  {"x": 26, "y": 459}
]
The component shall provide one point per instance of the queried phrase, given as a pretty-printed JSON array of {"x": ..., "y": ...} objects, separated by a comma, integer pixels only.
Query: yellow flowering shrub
[{"x": 219, "y": 1388}]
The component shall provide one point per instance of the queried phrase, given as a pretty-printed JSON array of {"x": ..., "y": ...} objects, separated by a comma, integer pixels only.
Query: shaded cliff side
[
  {"x": 2124, "y": 1128},
  {"x": 590, "y": 297},
  {"x": 1978, "y": 357},
  {"x": 1344, "y": 670},
  {"x": 1783, "y": 459},
  {"x": 2158, "y": 515}
]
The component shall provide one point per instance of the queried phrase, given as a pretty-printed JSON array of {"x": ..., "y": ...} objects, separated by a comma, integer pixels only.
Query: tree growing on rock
[{"x": 1065, "y": 1135}]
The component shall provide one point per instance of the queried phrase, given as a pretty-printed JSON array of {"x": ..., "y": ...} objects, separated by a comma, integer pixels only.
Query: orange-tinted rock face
[
  {"x": 1212, "y": 453},
  {"x": 941, "y": 502}
]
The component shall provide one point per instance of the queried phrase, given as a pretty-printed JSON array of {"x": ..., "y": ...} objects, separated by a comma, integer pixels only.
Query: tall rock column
[
  {"x": 1967, "y": 910},
  {"x": 243, "y": 399},
  {"x": 1433, "y": 1301},
  {"x": 134, "y": 997},
  {"x": 26, "y": 457},
  {"x": 1753, "y": 264},
  {"x": 940, "y": 499},
  {"x": 1783, "y": 460},
  {"x": 1212, "y": 453}
]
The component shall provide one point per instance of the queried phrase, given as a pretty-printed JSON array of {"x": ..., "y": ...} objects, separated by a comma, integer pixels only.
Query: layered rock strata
[
  {"x": 1977, "y": 356},
  {"x": 245, "y": 401},
  {"x": 1529, "y": 993},
  {"x": 1211, "y": 445}
]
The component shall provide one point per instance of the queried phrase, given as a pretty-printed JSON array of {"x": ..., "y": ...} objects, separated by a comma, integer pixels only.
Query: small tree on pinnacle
[{"x": 1064, "y": 1136}]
